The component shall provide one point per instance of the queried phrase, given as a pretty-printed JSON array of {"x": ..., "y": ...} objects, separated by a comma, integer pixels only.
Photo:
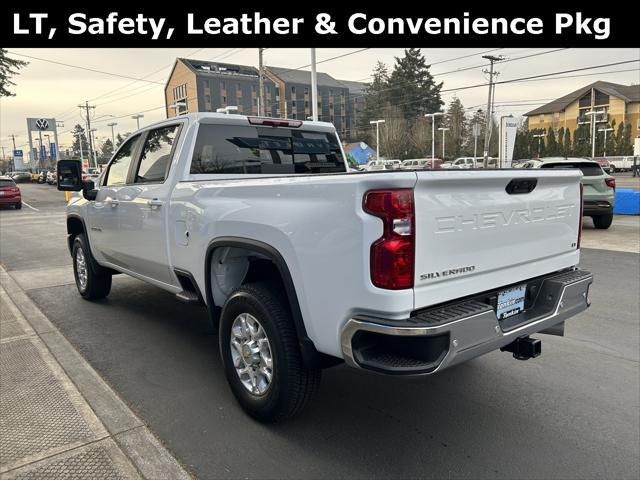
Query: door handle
[
  {"x": 155, "y": 203},
  {"x": 113, "y": 202}
]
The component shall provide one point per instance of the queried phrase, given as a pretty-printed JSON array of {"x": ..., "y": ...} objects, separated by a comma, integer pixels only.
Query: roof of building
[
  {"x": 304, "y": 77},
  {"x": 628, "y": 93},
  {"x": 207, "y": 67}
]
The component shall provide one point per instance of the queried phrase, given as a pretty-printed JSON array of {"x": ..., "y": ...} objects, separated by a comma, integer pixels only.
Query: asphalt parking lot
[{"x": 574, "y": 412}]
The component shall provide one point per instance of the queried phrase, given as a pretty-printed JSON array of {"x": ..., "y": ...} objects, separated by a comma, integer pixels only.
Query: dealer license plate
[{"x": 510, "y": 301}]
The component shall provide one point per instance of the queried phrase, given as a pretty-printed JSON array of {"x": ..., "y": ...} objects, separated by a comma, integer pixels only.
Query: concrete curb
[{"x": 143, "y": 449}]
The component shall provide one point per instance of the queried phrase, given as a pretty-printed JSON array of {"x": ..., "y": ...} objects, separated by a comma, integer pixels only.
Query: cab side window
[
  {"x": 156, "y": 155},
  {"x": 119, "y": 166}
]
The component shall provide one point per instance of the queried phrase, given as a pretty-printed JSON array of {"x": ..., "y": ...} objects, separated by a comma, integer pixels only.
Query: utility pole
[
  {"x": 261, "y": 101},
  {"x": 314, "y": 87},
  {"x": 487, "y": 131},
  {"x": 113, "y": 137},
  {"x": 13, "y": 137},
  {"x": 86, "y": 108}
]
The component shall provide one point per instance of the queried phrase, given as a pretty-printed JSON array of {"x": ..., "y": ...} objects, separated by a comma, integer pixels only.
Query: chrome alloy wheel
[
  {"x": 251, "y": 354},
  {"x": 81, "y": 269}
]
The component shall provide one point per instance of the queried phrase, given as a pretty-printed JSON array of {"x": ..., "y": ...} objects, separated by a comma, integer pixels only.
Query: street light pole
[
  {"x": 433, "y": 133},
  {"x": 314, "y": 87},
  {"x": 604, "y": 147},
  {"x": 593, "y": 130},
  {"x": 113, "y": 138},
  {"x": 377, "y": 124},
  {"x": 443, "y": 130},
  {"x": 137, "y": 118},
  {"x": 539, "y": 136}
]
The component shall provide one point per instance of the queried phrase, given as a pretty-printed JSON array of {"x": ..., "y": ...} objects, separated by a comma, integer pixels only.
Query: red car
[
  {"x": 10, "y": 193},
  {"x": 605, "y": 165}
]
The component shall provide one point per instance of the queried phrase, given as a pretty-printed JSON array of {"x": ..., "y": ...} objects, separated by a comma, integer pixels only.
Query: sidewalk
[{"x": 58, "y": 418}]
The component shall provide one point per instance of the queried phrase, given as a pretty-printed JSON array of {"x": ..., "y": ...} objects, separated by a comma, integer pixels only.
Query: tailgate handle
[{"x": 518, "y": 186}]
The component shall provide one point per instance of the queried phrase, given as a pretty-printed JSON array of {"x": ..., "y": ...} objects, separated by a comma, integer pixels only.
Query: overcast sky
[{"x": 50, "y": 90}]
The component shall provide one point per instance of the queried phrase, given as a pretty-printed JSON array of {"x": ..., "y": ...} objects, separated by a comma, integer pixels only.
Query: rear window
[
  {"x": 7, "y": 183},
  {"x": 588, "y": 169},
  {"x": 227, "y": 149}
]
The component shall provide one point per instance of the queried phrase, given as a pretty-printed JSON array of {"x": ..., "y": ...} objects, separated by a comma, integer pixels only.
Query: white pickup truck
[{"x": 303, "y": 265}]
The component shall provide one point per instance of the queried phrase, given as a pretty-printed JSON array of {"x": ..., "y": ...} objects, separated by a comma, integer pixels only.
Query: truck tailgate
[{"x": 472, "y": 235}]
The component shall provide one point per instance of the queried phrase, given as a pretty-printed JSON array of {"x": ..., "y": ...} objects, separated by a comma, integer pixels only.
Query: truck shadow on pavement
[{"x": 491, "y": 417}]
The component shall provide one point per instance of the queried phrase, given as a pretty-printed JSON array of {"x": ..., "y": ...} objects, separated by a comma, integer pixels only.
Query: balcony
[{"x": 601, "y": 118}]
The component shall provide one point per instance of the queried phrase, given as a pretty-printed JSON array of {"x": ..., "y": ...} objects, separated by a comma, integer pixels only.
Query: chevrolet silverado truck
[{"x": 303, "y": 265}]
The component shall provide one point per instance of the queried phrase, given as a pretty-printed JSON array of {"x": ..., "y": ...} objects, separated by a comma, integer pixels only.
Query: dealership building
[
  {"x": 202, "y": 86},
  {"x": 610, "y": 101}
]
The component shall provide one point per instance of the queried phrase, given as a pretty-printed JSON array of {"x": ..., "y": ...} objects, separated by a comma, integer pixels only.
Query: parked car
[
  {"x": 21, "y": 176},
  {"x": 468, "y": 162},
  {"x": 599, "y": 188},
  {"x": 415, "y": 164},
  {"x": 42, "y": 177},
  {"x": 534, "y": 163},
  {"x": 301, "y": 272},
  {"x": 51, "y": 177},
  {"x": 379, "y": 165},
  {"x": 10, "y": 193},
  {"x": 622, "y": 164},
  {"x": 605, "y": 165}
]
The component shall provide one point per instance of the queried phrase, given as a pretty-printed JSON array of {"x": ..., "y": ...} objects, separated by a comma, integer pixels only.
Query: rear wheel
[
  {"x": 18, "y": 205},
  {"x": 91, "y": 284},
  {"x": 602, "y": 221},
  {"x": 261, "y": 356},
  {"x": 612, "y": 169}
]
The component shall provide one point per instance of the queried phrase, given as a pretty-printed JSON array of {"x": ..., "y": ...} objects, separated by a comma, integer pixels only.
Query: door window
[
  {"x": 119, "y": 166},
  {"x": 156, "y": 155}
]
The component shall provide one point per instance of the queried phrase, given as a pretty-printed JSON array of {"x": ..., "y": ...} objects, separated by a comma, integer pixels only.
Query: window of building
[
  {"x": 293, "y": 90},
  {"x": 585, "y": 100},
  {"x": 223, "y": 85},
  {"x": 224, "y": 101},
  {"x": 306, "y": 90},
  {"x": 156, "y": 155},
  {"x": 601, "y": 98},
  {"x": 294, "y": 104},
  {"x": 253, "y": 89},
  {"x": 267, "y": 89}
]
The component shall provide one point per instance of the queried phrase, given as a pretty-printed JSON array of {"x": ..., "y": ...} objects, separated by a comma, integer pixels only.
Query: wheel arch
[{"x": 312, "y": 358}]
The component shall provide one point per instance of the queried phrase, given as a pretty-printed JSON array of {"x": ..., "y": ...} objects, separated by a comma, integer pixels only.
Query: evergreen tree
[
  {"x": 567, "y": 150},
  {"x": 552, "y": 145},
  {"x": 8, "y": 68},
  {"x": 79, "y": 136},
  {"x": 581, "y": 141},
  {"x": 456, "y": 121},
  {"x": 561, "y": 149},
  {"x": 106, "y": 151},
  {"x": 619, "y": 141},
  {"x": 121, "y": 138},
  {"x": 412, "y": 87},
  {"x": 627, "y": 146}
]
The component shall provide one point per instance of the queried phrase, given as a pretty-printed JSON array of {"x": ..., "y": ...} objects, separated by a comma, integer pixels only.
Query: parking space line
[{"x": 32, "y": 208}]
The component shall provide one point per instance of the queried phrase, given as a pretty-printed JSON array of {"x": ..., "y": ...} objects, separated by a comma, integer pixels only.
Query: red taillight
[
  {"x": 581, "y": 211},
  {"x": 611, "y": 182},
  {"x": 274, "y": 122},
  {"x": 392, "y": 255}
]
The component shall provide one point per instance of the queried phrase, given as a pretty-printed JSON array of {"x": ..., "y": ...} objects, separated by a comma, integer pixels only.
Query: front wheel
[
  {"x": 261, "y": 356},
  {"x": 91, "y": 284},
  {"x": 602, "y": 221}
]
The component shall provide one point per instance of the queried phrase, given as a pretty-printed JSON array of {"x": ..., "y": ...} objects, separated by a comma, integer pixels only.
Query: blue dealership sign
[
  {"x": 53, "y": 151},
  {"x": 43, "y": 152}
]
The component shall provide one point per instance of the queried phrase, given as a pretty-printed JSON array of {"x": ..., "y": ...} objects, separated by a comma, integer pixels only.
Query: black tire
[
  {"x": 602, "y": 221},
  {"x": 18, "y": 206},
  {"x": 612, "y": 169},
  {"x": 98, "y": 283},
  {"x": 292, "y": 385}
]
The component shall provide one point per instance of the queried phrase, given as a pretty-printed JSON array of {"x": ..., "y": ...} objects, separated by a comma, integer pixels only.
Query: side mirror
[
  {"x": 69, "y": 175},
  {"x": 89, "y": 191}
]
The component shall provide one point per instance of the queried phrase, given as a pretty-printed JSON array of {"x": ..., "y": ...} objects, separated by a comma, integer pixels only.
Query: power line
[
  {"x": 325, "y": 60},
  {"x": 86, "y": 68}
]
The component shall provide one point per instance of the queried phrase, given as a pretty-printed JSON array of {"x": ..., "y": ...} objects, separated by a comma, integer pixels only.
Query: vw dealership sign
[{"x": 39, "y": 155}]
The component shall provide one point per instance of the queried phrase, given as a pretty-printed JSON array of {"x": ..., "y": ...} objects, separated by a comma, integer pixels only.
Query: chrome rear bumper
[{"x": 439, "y": 338}]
